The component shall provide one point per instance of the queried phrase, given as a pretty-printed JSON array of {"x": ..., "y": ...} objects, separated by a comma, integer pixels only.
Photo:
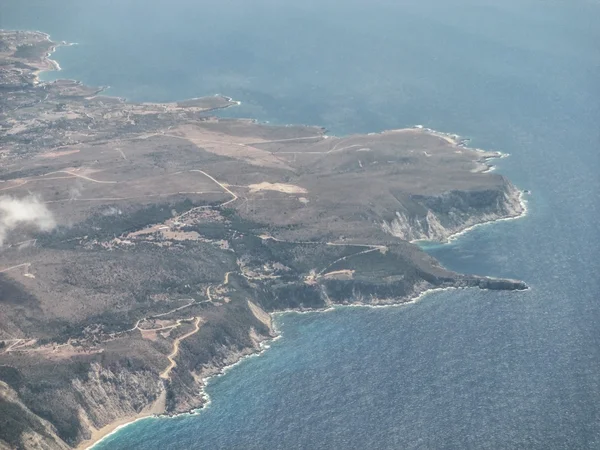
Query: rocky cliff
[
  {"x": 148, "y": 243},
  {"x": 439, "y": 217}
]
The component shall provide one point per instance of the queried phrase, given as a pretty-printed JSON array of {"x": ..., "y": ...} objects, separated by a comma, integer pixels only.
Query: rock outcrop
[
  {"x": 438, "y": 218},
  {"x": 178, "y": 233}
]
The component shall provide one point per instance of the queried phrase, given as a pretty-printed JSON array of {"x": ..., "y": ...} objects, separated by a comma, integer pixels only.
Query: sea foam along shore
[
  {"x": 278, "y": 333},
  {"x": 49, "y": 64},
  {"x": 415, "y": 297},
  {"x": 265, "y": 345},
  {"x": 152, "y": 414},
  {"x": 456, "y": 235},
  {"x": 461, "y": 142},
  {"x": 100, "y": 435},
  {"x": 524, "y": 212},
  {"x": 115, "y": 427},
  {"x": 52, "y": 65}
]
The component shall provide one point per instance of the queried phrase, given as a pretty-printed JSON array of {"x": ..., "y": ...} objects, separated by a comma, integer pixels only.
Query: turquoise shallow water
[{"x": 460, "y": 369}]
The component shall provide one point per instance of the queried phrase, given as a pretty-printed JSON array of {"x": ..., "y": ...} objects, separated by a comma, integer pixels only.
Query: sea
[{"x": 462, "y": 369}]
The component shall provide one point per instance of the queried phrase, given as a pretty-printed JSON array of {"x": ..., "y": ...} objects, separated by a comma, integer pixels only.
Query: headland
[{"x": 147, "y": 244}]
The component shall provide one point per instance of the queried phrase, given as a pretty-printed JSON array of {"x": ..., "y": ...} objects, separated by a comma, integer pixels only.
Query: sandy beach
[{"x": 157, "y": 408}]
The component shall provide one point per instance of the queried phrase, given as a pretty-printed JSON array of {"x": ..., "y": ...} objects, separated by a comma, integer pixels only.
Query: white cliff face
[
  {"x": 106, "y": 395},
  {"x": 412, "y": 228},
  {"x": 455, "y": 212}
]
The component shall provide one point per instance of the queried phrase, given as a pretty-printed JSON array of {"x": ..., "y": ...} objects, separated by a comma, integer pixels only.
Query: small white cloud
[
  {"x": 111, "y": 211},
  {"x": 28, "y": 211}
]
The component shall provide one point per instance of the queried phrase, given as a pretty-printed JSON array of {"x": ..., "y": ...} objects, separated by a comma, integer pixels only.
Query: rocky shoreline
[
  {"x": 178, "y": 235},
  {"x": 235, "y": 358}
]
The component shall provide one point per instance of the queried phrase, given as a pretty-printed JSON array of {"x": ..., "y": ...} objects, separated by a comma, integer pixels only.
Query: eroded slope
[{"x": 170, "y": 235}]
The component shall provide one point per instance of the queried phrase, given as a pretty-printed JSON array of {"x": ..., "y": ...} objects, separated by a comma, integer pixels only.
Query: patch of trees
[{"x": 27, "y": 51}]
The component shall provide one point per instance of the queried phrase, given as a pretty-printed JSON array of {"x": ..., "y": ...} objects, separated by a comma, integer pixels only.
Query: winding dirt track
[
  {"x": 344, "y": 258},
  {"x": 172, "y": 363}
]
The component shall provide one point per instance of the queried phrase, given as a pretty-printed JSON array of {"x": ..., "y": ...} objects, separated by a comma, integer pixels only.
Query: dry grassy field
[{"x": 142, "y": 245}]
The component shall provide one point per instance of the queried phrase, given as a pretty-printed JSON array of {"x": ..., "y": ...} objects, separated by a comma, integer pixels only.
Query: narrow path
[
  {"x": 121, "y": 152},
  {"x": 20, "y": 343},
  {"x": 83, "y": 177},
  {"x": 13, "y": 187},
  {"x": 267, "y": 237},
  {"x": 369, "y": 248},
  {"x": 239, "y": 144},
  {"x": 235, "y": 197},
  {"x": 335, "y": 149},
  {"x": 170, "y": 312},
  {"x": 344, "y": 258},
  {"x": 166, "y": 327},
  {"x": 116, "y": 199},
  {"x": 143, "y": 319},
  {"x": 185, "y": 138},
  {"x": 15, "y": 267},
  {"x": 14, "y": 344},
  {"x": 287, "y": 140},
  {"x": 166, "y": 374}
]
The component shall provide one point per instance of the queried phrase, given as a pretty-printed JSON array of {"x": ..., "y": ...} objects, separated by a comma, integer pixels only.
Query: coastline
[
  {"x": 54, "y": 65},
  {"x": 452, "y": 138},
  {"x": 457, "y": 234},
  {"x": 99, "y": 435},
  {"x": 524, "y": 211},
  {"x": 157, "y": 409},
  {"x": 205, "y": 400}
]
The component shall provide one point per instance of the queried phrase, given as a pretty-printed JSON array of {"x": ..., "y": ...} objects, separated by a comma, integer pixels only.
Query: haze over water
[{"x": 460, "y": 369}]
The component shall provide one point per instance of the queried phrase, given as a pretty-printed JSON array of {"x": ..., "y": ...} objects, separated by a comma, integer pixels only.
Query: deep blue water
[{"x": 460, "y": 369}]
